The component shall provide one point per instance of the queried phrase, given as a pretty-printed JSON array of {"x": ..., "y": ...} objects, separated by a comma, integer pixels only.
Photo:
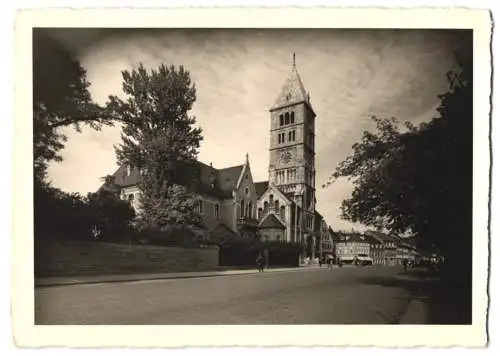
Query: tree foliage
[
  {"x": 109, "y": 215},
  {"x": 419, "y": 178},
  {"x": 168, "y": 207},
  {"x": 70, "y": 216},
  {"x": 61, "y": 98},
  {"x": 158, "y": 137}
]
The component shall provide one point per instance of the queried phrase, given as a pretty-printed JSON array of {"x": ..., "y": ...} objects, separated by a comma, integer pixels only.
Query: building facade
[
  {"x": 348, "y": 246},
  {"x": 377, "y": 250},
  {"x": 290, "y": 194},
  {"x": 389, "y": 245},
  {"x": 226, "y": 196},
  {"x": 281, "y": 208}
]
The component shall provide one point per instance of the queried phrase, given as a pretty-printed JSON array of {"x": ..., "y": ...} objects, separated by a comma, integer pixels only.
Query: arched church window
[
  {"x": 293, "y": 135},
  {"x": 276, "y": 206},
  {"x": 282, "y": 212},
  {"x": 289, "y": 135},
  {"x": 260, "y": 213},
  {"x": 250, "y": 209},
  {"x": 292, "y": 117},
  {"x": 281, "y": 120},
  {"x": 287, "y": 118},
  {"x": 242, "y": 208},
  {"x": 266, "y": 207},
  {"x": 271, "y": 199}
]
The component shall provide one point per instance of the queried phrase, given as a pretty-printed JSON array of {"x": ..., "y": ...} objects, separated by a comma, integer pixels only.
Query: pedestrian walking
[
  {"x": 260, "y": 262},
  {"x": 320, "y": 261}
]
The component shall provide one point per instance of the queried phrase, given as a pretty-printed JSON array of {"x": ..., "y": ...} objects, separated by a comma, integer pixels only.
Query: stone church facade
[{"x": 282, "y": 208}]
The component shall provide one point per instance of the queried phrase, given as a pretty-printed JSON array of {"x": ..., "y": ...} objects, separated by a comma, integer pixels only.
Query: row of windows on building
[
  {"x": 286, "y": 175},
  {"x": 352, "y": 247},
  {"x": 309, "y": 221},
  {"x": 272, "y": 208},
  {"x": 128, "y": 171},
  {"x": 282, "y": 136},
  {"x": 199, "y": 209},
  {"x": 287, "y": 118},
  {"x": 352, "y": 250}
]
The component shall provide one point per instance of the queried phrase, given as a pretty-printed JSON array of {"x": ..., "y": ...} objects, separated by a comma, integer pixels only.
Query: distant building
[
  {"x": 377, "y": 250},
  {"x": 323, "y": 239},
  {"x": 406, "y": 250},
  {"x": 392, "y": 249},
  {"x": 350, "y": 245}
]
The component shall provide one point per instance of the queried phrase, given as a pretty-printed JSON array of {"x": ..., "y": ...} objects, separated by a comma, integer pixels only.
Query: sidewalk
[
  {"x": 62, "y": 281},
  {"x": 416, "y": 313},
  {"x": 418, "y": 308}
]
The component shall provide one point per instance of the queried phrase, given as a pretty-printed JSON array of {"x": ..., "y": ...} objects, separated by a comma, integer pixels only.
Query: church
[{"x": 282, "y": 208}]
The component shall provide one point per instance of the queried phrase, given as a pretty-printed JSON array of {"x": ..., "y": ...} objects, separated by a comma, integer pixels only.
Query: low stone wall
[{"x": 65, "y": 259}]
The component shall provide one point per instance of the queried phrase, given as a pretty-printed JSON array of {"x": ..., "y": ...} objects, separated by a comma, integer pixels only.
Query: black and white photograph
[{"x": 255, "y": 176}]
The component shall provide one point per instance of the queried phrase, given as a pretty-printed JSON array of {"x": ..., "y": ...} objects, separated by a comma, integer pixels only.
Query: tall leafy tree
[
  {"x": 61, "y": 98},
  {"x": 159, "y": 138},
  {"x": 420, "y": 178}
]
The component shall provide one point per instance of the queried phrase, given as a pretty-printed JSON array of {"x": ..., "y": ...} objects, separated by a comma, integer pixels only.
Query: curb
[{"x": 180, "y": 275}]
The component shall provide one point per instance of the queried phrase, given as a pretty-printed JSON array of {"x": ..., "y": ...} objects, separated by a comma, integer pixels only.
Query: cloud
[{"x": 350, "y": 74}]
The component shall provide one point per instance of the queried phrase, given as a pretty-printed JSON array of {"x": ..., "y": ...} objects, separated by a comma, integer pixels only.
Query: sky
[{"x": 351, "y": 75}]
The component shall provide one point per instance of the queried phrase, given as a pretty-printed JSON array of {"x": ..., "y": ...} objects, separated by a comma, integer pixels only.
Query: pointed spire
[
  {"x": 246, "y": 158},
  {"x": 292, "y": 91}
]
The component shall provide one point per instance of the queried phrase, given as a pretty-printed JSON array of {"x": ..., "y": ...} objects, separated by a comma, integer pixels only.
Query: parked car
[{"x": 364, "y": 260}]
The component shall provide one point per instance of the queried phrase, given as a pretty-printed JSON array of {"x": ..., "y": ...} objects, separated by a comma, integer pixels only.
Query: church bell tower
[{"x": 292, "y": 148}]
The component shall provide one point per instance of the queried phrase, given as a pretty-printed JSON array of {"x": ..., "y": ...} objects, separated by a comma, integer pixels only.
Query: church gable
[
  {"x": 244, "y": 192},
  {"x": 261, "y": 188},
  {"x": 228, "y": 177},
  {"x": 274, "y": 192},
  {"x": 271, "y": 222}
]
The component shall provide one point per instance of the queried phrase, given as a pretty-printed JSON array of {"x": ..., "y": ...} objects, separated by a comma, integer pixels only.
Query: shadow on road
[{"x": 448, "y": 303}]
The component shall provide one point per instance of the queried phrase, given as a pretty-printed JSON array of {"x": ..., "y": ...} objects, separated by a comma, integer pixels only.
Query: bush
[{"x": 175, "y": 236}]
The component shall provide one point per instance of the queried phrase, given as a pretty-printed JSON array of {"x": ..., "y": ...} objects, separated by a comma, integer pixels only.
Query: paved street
[{"x": 372, "y": 295}]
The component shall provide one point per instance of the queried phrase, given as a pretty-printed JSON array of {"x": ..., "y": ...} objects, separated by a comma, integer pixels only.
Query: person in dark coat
[{"x": 260, "y": 262}]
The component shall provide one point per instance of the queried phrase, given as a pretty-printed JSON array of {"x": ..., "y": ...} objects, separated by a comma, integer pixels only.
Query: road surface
[{"x": 364, "y": 295}]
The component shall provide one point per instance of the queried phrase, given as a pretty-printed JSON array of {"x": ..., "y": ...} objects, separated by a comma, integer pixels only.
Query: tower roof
[
  {"x": 292, "y": 92},
  {"x": 271, "y": 222}
]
